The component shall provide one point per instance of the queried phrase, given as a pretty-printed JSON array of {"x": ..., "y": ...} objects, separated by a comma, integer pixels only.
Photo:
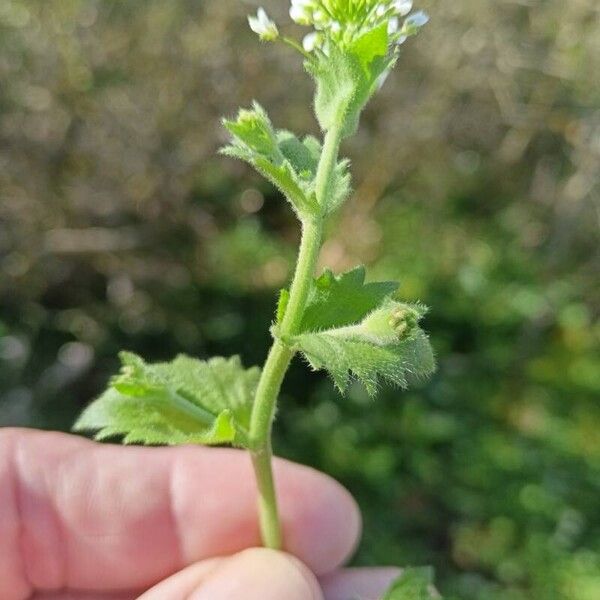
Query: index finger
[{"x": 81, "y": 515}]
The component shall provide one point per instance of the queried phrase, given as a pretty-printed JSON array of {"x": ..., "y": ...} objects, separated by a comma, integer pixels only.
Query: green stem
[{"x": 280, "y": 355}]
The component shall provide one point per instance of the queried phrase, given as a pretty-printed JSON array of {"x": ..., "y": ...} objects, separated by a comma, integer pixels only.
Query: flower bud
[
  {"x": 403, "y": 320},
  {"x": 263, "y": 26},
  {"x": 402, "y": 7},
  {"x": 417, "y": 20},
  {"x": 310, "y": 41},
  {"x": 301, "y": 11}
]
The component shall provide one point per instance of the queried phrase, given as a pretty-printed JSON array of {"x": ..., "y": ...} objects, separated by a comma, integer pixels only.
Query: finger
[
  {"x": 81, "y": 515},
  {"x": 359, "y": 584},
  {"x": 255, "y": 574},
  {"x": 83, "y": 596}
]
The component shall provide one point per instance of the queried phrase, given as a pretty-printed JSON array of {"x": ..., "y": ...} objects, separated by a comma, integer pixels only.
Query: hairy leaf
[
  {"x": 415, "y": 583},
  {"x": 183, "y": 401},
  {"x": 286, "y": 161},
  {"x": 346, "y": 78},
  {"x": 336, "y": 301},
  {"x": 387, "y": 345},
  {"x": 281, "y": 174},
  {"x": 253, "y": 128},
  {"x": 336, "y": 80},
  {"x": 277, "y": 155}
]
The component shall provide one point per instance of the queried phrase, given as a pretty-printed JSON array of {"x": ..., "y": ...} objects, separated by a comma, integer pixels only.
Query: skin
[{"x": 87, "y": 521}]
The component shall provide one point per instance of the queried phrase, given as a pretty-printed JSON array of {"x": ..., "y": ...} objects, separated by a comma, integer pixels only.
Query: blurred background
[{"x": 477, "y": 181}]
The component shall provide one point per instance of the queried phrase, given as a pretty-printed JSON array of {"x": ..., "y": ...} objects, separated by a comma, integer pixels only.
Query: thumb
[{"x": 254, "y": 574}]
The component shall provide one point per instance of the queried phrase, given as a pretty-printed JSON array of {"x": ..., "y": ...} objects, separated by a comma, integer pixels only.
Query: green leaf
[
  {"x": 387, "y": 345},
  {"x": 183, "y": 401},
  {"x": 372, "y": 44},
  {"x": 302, "y": 155},
  {"x": 279, "y": 156},
  {"x": 253, "y": 128},
  {"x": 415, "y": 583},
  {"x": 346, "y": 78},
  {"x": 336, "y": 80},
  {"x": 336, "y": 301},
  {"x": 287, "y": 162},
  {"x": 281, "y": 175}
]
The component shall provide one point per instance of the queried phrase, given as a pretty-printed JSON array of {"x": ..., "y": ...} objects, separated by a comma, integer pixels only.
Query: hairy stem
[
  {"x": 261, "y": 423},
  {"x": 280, "y": 354}
]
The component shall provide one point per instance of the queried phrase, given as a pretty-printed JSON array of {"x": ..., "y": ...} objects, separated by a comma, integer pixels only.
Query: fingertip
[
  {"x": 253, "y": 574},
  {"x": 260, "y": 574},
  {"x": 183, "y": 583}
]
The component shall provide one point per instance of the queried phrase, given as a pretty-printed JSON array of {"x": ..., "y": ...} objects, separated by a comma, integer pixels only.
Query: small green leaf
[
  {"x": 387, "y": 345},
  {"x": 184, "y": 401},
  {"x": 336, "y": 79},
  {"x": 279, "y": 156},
  {"x": 280, "y": 174},
  {"x": 254, "y": 129},
  {"x": 347, "y": 77},
  {"x": 302, "y": 155},
  {"x": 415, "y": 583},
  {"x": 287, "y": 162},
  {"x": 370, "y": 45},
  {"x": 336, "y": 301}
]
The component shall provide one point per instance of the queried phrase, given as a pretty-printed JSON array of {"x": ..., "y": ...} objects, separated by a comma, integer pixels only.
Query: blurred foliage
[{"x": 477, "y": 184}]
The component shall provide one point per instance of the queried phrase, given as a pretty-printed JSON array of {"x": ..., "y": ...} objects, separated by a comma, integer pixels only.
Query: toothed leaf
[
  {"x": 289, "y": 163},
  {"x": 277, "y": 155},
  {"x": 253, "y": 128},
  {"x": 338, "y": 300},
  {"x": 386, "y": 346},
  {"x": 183, "y": 401}
]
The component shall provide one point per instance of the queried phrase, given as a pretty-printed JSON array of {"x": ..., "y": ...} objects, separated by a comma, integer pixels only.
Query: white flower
[
  {"x": 340, "y": 22},
  {"x": 320, "y": 17},
  {"x": 299, "y": 15},
  {"x": 263, "y": 26},
  {"x": 300, "y": 11},
  {"x": 310, "y": 41},
  {"x": 403, "y": 7},
  {"x": 417, "y": 20}
]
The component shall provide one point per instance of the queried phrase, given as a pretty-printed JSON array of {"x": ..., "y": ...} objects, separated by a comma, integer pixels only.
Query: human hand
[{"x": 86, "y": 521}]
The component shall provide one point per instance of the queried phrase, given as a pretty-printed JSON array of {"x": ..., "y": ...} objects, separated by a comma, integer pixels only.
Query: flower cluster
[{"x": 341, "y": 22}]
